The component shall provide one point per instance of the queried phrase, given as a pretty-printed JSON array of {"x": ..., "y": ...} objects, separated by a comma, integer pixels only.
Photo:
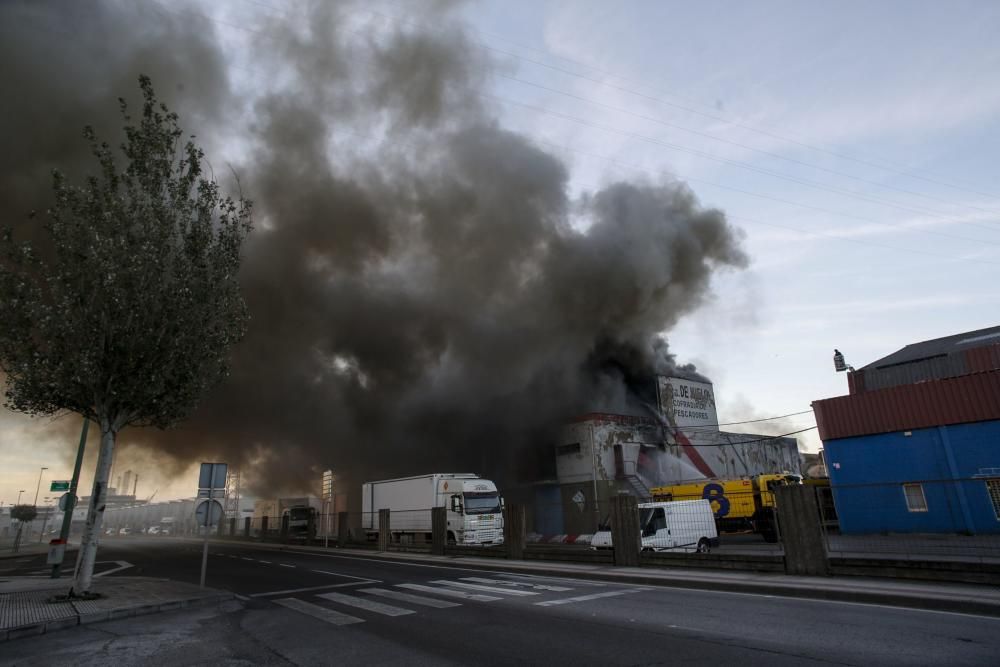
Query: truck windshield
[
  {"x": 481, "y": 503},
  {"x": 299, "y": 513},
  {"x": 645, "y": 514}
]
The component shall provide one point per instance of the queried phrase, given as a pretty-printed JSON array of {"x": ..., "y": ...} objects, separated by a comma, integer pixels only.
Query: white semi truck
[{"x": 474, "y": 507}]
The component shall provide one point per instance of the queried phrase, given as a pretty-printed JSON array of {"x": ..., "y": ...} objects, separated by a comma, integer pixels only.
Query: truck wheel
[{"x": 703, "y": 546}]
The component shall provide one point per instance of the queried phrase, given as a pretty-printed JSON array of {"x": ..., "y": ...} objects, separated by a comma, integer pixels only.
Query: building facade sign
[{"x": 687, "y": 402}]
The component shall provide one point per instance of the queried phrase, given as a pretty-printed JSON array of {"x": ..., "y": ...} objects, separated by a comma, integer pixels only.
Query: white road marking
[
  {"x": 487, "y": 589},
  {"x": 338, "y": 574},
  {"x": 250, "y": 559},
  {"x": 449, "y": 592},
  {"x": 540, "y": 587},
  {"x": 366, "y": 604},
  {"x": 406, "y": 597},
  {"x": 122, "y": 565},
  {"x": 583, "y": 598},
  {"x": 266, "y": 562},
  {"x": 285, "y": 565},
  {"x": 315, "y": 588},
  {"x": 322, "y": 613}
]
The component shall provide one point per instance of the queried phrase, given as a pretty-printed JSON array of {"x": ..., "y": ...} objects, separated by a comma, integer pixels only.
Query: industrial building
[
  {"x": 600, "y": 455},
  {"x": 915, "y": 445}
]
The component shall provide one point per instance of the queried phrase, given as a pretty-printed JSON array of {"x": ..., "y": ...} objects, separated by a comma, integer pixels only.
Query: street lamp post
[
  {"x": 19, "y": 497},
  {"x": 39, "y": 485}
]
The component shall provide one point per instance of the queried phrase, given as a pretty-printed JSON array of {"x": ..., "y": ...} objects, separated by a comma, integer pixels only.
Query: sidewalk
[
  {"x": 25, "y": 610},
  {"x": 959, "y": 598}
]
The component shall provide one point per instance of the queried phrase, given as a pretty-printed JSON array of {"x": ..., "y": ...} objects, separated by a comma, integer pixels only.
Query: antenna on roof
[{"x": 838, "y": 362}]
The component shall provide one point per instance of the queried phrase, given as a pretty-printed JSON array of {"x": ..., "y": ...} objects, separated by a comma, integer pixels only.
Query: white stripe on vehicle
[
  {"x": 322, "y": 613},
  {"x": 366, "y": 604}
]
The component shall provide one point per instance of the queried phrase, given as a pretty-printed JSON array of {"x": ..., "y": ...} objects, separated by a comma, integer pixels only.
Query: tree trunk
[{"x": 95, "y": 514}]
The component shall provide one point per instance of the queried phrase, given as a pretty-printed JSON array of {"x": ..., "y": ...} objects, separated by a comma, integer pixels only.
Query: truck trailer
[{"x": 474, "y": 507}]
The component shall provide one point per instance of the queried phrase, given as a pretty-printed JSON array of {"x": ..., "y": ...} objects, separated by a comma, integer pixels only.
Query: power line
[
  {"x": 736, "y": 163},
  {"x": 711, "y": 116},
  {"x": 777, "y": 156},
  {"x": 749, "y": 442},
  {"x": 751, "y": 421},
  {"x": 806, "y": 232},
  {"x": 707, "y": 156}
]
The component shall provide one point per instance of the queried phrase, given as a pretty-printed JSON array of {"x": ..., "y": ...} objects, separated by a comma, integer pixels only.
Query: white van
[{"x": 680, "y": 525}]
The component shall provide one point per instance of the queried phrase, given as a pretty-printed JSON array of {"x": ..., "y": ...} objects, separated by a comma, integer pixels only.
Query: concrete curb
[
  {"x": 839, "y": 589},
  {"x": 110, "y": 614}
]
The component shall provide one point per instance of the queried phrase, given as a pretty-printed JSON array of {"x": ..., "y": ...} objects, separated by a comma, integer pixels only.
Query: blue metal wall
[{"x": 867, "y": 474}]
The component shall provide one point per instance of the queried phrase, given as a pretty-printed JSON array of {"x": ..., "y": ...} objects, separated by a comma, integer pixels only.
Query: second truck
[{"x": 473, "y": 505}]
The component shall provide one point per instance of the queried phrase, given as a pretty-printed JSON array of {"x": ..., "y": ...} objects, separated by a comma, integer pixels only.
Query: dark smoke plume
[{"x": 425, "y": 292}]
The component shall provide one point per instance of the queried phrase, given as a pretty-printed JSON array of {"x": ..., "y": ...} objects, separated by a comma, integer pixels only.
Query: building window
[
  {"x": 915, "y": 500},
  {"x": 573, "y": 448},
  {"x": 993, "y": 488}
]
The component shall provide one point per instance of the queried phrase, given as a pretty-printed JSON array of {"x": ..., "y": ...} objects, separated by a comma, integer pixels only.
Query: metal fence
[
  {"x": 951, "y": 520},
  {"x": 948, "y": 521}
]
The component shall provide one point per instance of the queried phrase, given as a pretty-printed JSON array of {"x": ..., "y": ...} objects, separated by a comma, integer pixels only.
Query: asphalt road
[{"x": 314, "y": 609}]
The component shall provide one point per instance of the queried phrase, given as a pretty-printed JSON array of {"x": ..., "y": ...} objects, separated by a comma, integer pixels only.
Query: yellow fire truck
[{"x": 739, "y": 504}]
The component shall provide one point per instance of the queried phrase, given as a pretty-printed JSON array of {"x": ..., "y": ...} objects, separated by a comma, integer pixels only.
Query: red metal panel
[
  {"x": 856, "y": 382},
  {"x": 983, "y": 358},
  {"x": 968, "y": 398}
]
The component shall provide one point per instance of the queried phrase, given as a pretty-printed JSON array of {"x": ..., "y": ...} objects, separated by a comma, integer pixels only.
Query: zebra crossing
[{"x": 374, "y": 602}]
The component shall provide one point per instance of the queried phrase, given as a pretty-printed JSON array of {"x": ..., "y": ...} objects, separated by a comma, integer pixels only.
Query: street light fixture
[
  {"x": 39, "y": 485},
  {"x": 19, "y": 496}
]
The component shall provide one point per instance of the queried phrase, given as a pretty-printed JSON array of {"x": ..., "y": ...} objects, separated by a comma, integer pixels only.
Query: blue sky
[
  {"x": 863, "y": 138},
  {"x": 854, "y": 143}
]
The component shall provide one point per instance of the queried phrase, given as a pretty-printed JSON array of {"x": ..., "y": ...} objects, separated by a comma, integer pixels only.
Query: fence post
[
  {"x": 514, "y": 533},
  {"x": 284, "y": 528},
  {"x": 232, "y": 527},
  {"x": 246, "y": 527},
  {"x": 342, "y": 529},
  {"x": 625, "y": 538},
  {"x": 384, "y": 534},
  {"x": 801, "y": 530},
  {"x": 439, "y": 530},
  {"x": 263, "y": 528}
]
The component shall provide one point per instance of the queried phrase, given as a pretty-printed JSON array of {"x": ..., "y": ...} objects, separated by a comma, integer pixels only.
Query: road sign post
[
  {"x": 211, "y": 485},
  {"x": 70, "y": 502}
]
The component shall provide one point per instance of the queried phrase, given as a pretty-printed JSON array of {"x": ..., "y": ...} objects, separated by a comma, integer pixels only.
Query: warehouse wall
[{"x": 952, "y": 464}]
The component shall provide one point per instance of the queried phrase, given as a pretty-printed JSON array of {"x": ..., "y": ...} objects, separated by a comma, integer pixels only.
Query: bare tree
[{"x": 125, "y": 306}]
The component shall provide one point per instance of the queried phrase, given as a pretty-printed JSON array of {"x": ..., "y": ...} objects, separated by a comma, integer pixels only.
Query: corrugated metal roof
[
  {"x": 968, "y": 398},
  {"x": 939, "y": 347}
]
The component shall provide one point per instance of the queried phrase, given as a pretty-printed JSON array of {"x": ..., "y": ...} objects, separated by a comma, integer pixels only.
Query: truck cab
[{"x": 475, "y": 511}]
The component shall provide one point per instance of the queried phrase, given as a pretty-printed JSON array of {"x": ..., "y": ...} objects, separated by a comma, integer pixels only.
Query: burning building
[{"x": 601, "y": 454}]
